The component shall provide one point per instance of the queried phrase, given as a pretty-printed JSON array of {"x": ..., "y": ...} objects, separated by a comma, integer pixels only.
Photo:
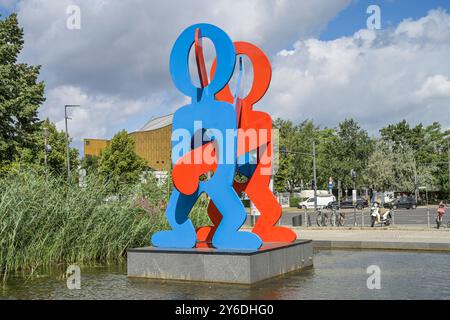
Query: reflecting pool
[{"x": 337, "y": 274}]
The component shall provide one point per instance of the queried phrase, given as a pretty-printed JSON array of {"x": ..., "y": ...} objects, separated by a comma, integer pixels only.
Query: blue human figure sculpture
[{"x": 219, "y": 117}]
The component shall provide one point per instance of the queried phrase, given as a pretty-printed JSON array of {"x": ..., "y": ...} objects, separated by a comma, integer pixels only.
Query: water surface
[{"x": 337, "y": 274}]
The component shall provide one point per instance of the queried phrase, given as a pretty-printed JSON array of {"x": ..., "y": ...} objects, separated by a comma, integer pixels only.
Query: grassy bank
[{"x": 46, "y": 221}]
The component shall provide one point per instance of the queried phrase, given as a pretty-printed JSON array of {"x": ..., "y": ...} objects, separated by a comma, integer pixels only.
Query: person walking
[{"x": 440, "y": 213}]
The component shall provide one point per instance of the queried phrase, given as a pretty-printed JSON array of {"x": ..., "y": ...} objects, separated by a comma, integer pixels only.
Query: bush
[{"x": 294, "y": 201}]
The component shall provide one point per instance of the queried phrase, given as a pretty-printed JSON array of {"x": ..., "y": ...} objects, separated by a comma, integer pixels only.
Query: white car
[{"x": 322, "y": 202}]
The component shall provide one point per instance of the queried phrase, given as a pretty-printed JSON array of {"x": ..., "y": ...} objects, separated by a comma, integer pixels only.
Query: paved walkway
[{"x": 368, "y": 238}]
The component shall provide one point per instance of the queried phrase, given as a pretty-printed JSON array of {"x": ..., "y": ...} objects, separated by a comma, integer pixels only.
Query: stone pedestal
[{"x": 226, "y": 266}]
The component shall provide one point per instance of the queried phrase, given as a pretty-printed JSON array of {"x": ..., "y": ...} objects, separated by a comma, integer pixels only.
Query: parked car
[
  {"x": 348, "y": 203},
  {"x": 402, "y": 203},
  {"x": 322, "y": 202}
]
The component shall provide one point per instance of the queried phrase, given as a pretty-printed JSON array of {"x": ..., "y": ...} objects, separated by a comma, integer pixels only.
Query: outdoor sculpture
[
  {"x": 207, "y": 113},
  {"x": 212, "y": 117}
]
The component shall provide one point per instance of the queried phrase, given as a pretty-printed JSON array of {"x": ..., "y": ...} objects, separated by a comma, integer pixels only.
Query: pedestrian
[{"x": 440, "y": 213}]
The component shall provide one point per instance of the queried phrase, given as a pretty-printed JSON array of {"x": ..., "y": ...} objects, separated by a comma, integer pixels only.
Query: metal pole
[
  {"x": 315, "y": 175},
  {"x": 354, "y": 204},
  {"x": 448, "y": 172},
  {"x": 45, "y": 146},
  {"x": 67, "y": 136},
  {"x": 428, "y": 209},
  {"x": 415, "y": 180},
  {"x": 306, "y": 220},
  {"x": 339, "y": 193},
  {"x": 67, "y": 144}
]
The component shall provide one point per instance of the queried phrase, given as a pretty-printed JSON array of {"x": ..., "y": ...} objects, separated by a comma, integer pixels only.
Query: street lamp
[
  {"x": 353, "y": 174},
  {"x": 67, "y": 136},
  {"x": 47, "y": 147},
  {"x": 314, "y": 174},
  {"x": 285, "y": 151}
]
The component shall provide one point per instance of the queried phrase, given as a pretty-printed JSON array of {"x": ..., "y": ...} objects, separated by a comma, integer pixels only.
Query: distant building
[{"x": 152, "y": 142}]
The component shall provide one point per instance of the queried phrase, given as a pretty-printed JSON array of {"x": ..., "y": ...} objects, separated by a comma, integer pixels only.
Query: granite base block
[{"x": 226, "y": 266}]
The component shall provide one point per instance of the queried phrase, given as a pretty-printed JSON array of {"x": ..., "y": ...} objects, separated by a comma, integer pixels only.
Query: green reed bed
[{"x": 46, "y": 221}]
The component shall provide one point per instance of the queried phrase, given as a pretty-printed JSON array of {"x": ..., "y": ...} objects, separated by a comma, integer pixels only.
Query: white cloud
[
  {"x": 437, "y": 86},
  {"x": 376, "y": 77},
  {"x": 110, "y": 111},
  {"x": 118, "y": 61},
  {"x": 116, "y": 66}
]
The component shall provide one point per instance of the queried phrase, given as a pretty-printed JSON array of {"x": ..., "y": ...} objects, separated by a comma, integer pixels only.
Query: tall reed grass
[{"x": 46, "y": 221}]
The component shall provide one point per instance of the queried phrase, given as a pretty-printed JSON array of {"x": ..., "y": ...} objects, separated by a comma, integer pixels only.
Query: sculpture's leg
[
  {"x": 206, "y": 233},
  {"x": 182, "y": 234},
  {"x": 260, "y": 194},
  {"x": 227, "y": 235}
]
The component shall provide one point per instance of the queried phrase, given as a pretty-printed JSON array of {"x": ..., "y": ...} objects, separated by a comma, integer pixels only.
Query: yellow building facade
[{"x": 152, "y": 142}]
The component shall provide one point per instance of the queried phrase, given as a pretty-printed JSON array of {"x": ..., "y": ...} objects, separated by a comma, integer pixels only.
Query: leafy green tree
[
  {"x": 295, "y": 154},
  {"x": 379, "y": 173},
  {"x": 20, "y": 95},
  {"x": 57, "y": 156},
  {"x": 33, "y": 156},
  {"x": 119, "y": 164},
  {"x": 338, "y": 151},
  {"x": 393, "y": 169},
  {"x": 284, "y": 179},
  {"x": 352, "y": 150},
  {"x": 90, "y": 163},
  {"x": 429, "y": 148},
  {"x": 326, "y": 151}
]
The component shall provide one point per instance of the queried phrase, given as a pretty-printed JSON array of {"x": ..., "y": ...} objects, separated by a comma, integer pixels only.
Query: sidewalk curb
[
  {"x": 383, "y": 245},
  {"x": 368, "y": 229}
]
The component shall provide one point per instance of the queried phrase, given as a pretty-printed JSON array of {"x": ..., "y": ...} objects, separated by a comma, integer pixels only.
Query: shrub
[{"x": 294, "y": 201}]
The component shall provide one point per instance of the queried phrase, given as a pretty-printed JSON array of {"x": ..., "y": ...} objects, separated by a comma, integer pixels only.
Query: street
[{"x": 417, "y": 217}]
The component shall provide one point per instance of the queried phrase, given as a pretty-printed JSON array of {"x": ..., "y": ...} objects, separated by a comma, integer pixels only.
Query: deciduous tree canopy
[{"x": 21, "y": 94}]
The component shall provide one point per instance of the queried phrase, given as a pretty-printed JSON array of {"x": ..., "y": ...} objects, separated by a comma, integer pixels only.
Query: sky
[{"x": 327, "y": 65}]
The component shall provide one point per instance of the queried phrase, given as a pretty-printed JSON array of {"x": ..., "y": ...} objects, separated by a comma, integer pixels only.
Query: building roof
[{"x": 158, "y": 123}]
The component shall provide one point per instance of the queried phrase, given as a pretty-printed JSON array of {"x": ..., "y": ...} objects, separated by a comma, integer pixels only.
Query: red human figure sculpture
[{"x": 257, "y": 187}]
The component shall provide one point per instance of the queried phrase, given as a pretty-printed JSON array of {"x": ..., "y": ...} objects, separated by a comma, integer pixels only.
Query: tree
[
  {"x": 284, "y": 179},
  {"x": 392, "y": 169},
  {"x": 353, "y": 149},
  {"x": 341, "y": 149},
  {"x": 90, "y": 163},
  {"x": 429, "y": 147},
  {"x": 380, "y": 171},
  {"x": 295, "y": 148},
  {"x": 119, "y": 164},
  {"x": 338, "y": 151},
  {"x": 33, "y": 156},
  {"x": 20, "y": 95}
]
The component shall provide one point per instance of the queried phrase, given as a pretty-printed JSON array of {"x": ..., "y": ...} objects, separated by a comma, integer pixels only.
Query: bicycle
[
  {"x": 337, "y": 218},
  {"x": 341, "y": 219},
  {"x": 333, "y": 217},
  {"x": 439, "y": 221},
  {"x": 322, "y": 219}
]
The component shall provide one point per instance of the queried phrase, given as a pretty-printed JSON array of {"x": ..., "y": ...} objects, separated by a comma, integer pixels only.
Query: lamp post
[
  {"x": 415, "y": 181},
  {"x": 353, "y": 174},
  {"x": 314, "y": 175},
  {"x": 285, "y": 151},
  {"x": 47, "y": 147},
  {"x": 67, "y": 136}
]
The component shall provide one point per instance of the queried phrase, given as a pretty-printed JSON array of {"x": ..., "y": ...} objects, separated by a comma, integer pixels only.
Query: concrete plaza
[{"x": 393, "y": 238}]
